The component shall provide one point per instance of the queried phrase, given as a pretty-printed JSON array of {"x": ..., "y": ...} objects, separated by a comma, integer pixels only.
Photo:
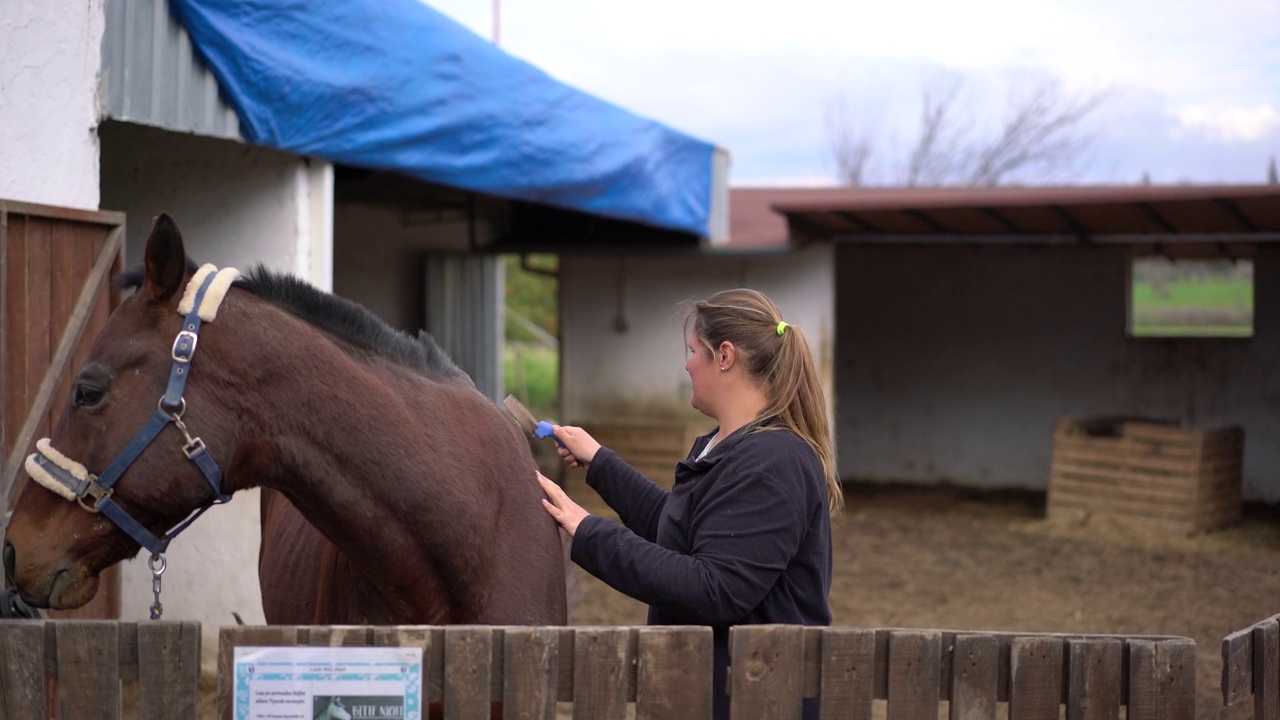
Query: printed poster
[{"x": 328, "y": 683}]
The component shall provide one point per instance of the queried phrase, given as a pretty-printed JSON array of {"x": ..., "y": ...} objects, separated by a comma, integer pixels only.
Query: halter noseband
[{"x": 73, "y": 481}]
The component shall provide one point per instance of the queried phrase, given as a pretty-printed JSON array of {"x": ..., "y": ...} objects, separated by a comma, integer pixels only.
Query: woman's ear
[{"x": 725, "y": 354}]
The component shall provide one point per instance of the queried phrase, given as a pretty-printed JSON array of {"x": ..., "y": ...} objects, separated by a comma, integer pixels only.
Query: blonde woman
[{"x": 744, "y": 536}]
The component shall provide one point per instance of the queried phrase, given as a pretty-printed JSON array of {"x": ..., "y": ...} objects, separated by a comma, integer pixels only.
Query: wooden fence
[
  {"x": 76, "y": 669},
  {"x": 1251, "y": 666}
]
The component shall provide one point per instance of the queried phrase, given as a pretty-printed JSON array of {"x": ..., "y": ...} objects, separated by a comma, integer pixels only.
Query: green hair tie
[{"x": 782, "y": 327}]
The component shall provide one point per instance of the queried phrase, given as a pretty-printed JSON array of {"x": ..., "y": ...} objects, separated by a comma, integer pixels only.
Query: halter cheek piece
[{"x": 73, "y": 481}]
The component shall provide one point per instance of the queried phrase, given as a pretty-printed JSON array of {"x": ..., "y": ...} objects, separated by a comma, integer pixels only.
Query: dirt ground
[{"x": 955, "y": 559}]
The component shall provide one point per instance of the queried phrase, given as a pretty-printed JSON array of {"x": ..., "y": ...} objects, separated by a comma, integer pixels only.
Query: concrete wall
[
  {"x": 236, "y": 206},
  {"x": 50, "y": 59},
  {"x": 378, "y": 257},
  {"x": 955, "y": 362},
  {"x": 622, "y": 325}
]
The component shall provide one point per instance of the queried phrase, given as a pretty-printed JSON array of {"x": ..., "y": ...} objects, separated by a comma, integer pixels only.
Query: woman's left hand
[{"x": 565, "y": 511}]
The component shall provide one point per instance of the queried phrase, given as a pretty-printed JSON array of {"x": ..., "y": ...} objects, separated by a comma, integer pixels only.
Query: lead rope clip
[{"x": 157, "y": 565}]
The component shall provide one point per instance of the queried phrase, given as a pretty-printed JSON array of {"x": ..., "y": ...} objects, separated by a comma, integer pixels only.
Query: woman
[{"x": 744, "y": 535}]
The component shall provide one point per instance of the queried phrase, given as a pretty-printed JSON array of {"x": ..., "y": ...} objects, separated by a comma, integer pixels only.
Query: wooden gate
[{"x": 55, "y": 296}]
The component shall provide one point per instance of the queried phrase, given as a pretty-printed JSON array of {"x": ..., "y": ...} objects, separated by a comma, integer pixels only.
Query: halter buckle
[
  {"x": 192, "y": 447},
  {"x": 184, "y": 346},
  {"x": 95, "y": 492}
]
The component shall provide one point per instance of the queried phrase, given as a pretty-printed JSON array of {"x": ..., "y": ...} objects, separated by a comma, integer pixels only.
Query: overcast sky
[{"x": 1192, "y": 87}]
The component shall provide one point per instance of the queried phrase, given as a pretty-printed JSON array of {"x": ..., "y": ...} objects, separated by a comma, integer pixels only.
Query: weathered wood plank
[
  {"x": 914, "y": 675},
  {"x": 232, "y": 637},
  {"x": 529, "y": 658},
  {"x": 848, "y": 673},
  {"x": 431, "y": 641},
  {"x": 468, "y": 669},
  {"x": 338, "y": 635},
  {"x": 22, "y": 670},
  {"x": 975, "y": 670},
  {"x": 169, "y": 670},
  {"x": 673, "y": 673},
  {"x": 88, "y": 670},
  {"x": 1266, "y": 670},
  {"x": 765, "y": 679},
  {"x": 601, "y": 664},
  {"x": 1237, "y": 666},
  {"x": 1035, "y": 678},
  {"x": 1162, "y": 680},
  {"x": 1094, "y": 682}
]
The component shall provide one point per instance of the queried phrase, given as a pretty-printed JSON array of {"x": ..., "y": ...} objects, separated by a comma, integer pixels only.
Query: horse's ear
[{"x": 166, "y": 260}]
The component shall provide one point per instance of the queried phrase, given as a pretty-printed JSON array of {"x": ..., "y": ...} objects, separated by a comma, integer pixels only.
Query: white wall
[
  {"x": 236, "y": 206},
  {"x": 955, "y": 362},
  {"x": 50, "y": 58},
  {"x": 622, "y": 325}
]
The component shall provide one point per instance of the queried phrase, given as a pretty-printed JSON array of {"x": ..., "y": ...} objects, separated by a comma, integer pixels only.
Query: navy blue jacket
[{"x": 744, "y": 536}]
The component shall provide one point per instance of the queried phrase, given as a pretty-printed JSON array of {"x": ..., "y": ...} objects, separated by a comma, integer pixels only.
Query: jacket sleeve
[
  {"x": 636, "y": 499},
  {"x": 745, "y": 534}
]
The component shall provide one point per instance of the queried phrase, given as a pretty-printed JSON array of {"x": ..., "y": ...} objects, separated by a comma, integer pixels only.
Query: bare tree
[
  {"x": 1043, "y": 133},
  {"x": 850, "y": 146}
]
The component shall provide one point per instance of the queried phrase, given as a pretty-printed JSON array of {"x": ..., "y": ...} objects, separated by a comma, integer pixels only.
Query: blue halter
[{"x": 99, "y": 489}]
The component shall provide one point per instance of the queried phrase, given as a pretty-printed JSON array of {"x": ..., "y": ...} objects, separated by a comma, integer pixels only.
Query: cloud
[{"x": 1230, "y": 123}]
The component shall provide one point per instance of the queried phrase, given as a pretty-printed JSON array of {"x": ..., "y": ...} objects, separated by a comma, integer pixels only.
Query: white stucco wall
[
  {"x": 236, "y": 206},
  {"x": 955, "y": 362},
  {"x": 50, "y": 58},
  {"x": 622, "y": 325}
]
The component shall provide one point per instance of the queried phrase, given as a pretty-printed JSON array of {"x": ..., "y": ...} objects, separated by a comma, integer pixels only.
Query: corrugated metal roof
[
  {"x": 151, "y": 75},
  {"x": 772, "y": 218}
]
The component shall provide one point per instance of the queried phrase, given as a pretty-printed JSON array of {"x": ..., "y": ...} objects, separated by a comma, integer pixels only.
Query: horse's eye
[{"x": 83, "y": 396}]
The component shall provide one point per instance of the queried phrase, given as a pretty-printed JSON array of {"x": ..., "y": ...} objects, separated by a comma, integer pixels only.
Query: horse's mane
[{"x": 346, "y": 320}]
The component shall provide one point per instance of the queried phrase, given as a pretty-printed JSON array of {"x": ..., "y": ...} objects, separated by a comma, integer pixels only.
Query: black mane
[{"x": 346, "y": 320}]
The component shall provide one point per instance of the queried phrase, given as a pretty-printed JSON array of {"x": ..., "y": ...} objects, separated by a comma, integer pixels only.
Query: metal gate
[{"x": 55, "y": 297}]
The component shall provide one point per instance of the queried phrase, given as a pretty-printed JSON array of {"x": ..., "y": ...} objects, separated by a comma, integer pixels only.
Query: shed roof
[{"x": 1219, "y": 213}]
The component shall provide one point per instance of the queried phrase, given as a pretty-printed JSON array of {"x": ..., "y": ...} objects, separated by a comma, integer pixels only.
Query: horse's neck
[{"x": 358, "y": 457}]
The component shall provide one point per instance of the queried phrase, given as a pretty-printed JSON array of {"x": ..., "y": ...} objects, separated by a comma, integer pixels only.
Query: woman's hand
[
  {"x": 576, "y": 447},
  {"x": 558, "y": 505}
]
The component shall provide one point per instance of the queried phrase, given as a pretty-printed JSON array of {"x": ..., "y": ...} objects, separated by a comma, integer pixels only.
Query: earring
[{"x": 723, "y": 368}]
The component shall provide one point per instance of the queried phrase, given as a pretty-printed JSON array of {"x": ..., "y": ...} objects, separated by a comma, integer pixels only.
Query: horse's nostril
[{"x": 10, "y": 561}]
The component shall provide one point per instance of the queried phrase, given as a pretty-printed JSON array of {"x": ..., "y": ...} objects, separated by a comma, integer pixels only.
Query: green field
[
  {"x": 1193, "y": 308},
  {"x": 532, "y": 374}
]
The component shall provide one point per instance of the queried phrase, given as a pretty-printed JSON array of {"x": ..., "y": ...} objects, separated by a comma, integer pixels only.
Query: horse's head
[{"x": 101, "y": 488}]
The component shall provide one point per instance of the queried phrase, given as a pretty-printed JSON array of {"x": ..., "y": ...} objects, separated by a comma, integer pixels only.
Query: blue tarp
[{"x": 395, "y": 85}]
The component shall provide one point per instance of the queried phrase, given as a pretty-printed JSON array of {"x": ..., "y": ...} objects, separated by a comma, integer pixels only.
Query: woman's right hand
[{"x": 577, "y": 447}]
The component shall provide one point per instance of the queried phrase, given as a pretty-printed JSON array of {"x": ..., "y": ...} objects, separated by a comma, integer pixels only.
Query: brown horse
[{"x": 393, "y": 492}]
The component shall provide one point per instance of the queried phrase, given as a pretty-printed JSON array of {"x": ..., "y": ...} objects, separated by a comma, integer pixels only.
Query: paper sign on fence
[{"x": 328, "y": 683}]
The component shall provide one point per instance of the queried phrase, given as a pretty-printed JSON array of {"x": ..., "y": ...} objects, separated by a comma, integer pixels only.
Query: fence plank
[
  {"x": 168, "y": 670},
  {"x": 234, "y": 636},
  {"x": 22, "y": 670},
  {"x": 975, "y": 670},
  {"x": 673, "y": 673},
  {"x": 88, "y": 669},
  {"x": 765, "y": 674},
  {"x": 468, "y": 669},
  {"x": 914, "y": 674},
  {"x": 1162, "y": 679},
  {"x": 1035, "y": 678},
  {"x": 529, "y": 656},
  {"x": 600, "y": 667},
  {"x": 848, "y": 673},
  {"x": 1266, "y": 670},
  {"x": 337, "y": 635},
  {"x": 1237, "y": 666},
  {"x": 1093, "y": 684},
  {"x": 432, "y": 653}
]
